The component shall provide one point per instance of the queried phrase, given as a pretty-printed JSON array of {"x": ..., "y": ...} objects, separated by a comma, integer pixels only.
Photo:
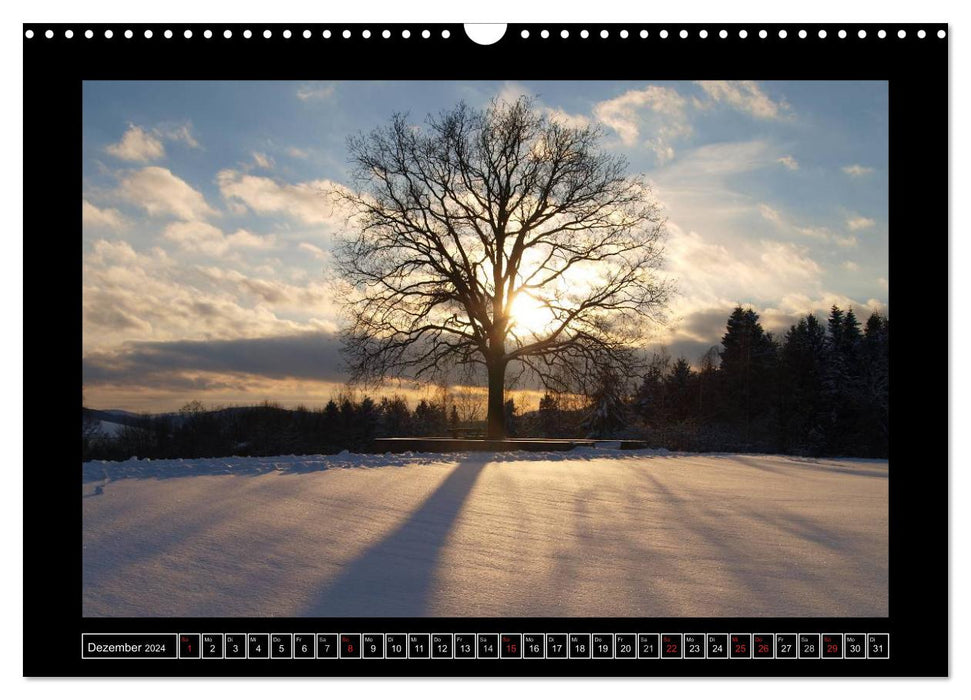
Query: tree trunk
[{"x": 496, "y": 419}]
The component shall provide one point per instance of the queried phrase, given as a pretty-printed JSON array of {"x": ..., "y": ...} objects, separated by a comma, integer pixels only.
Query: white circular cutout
[
  {"x": 207, "y": 34},
  {"x": 643, "y": 34},
  {"x": 306, "y": 33},
  {"x": 664, "y": 34},
  {"x": 783, "y": 33},
  {"x": 49, "y": 33},
  {"x": 405, "y": 34},
  {"x": 683, "y": 34},
  {"x": 742, "y": 34},
  {"x": 446, "y": 34},
  {"x": 604, "y": 33},
  {"x": 228, "y": 34},
  {"x": 723, "y": 34},
  {"x": 565, "y": 34},
  {"x": 129, "y": 33},
  {"x": 267, "y": 33},
  {"x": 366, "y": 34},
  {"x": 803, "y": 33},
  {"x": 882, "y": 34},
  {"x": 584, "y": 34},
  {"x": 763, "y": 34},
  {"x": 861, "y": 33},
  {"x": 326, "y": 34},
  {"x": 484, "y": 34},
  {"x": 88, "y": 34},
  {"x": 29, "y": 34},
  {"x": 386, "y": 34},
  {"x": 703, "y": 33},
  {"x": 287, "y": 33},
  {"x": 921, "y": 34},
  {"x": 624, "y": 34},
  {"x": 109, "y": 33},
  {"x": 524, "y": 34},
  {"x": 148, "y": 33},
  {"x": 67, "y": 35},
  {"x": 545, "y": 34},
  {"x": 841, "y": 34},
  {"x": 187, "y": 33},
  {"x": 941, "y": 34},
  {"x": 346, "y": 34},
  {"x": 168, "y": 33},
  {"x": 901, "y": 34},
  {"x": 822, "y": 34}
]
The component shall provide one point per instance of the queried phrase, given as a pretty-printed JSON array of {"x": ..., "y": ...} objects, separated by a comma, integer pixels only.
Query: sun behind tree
[{"x": 496, "y": 237}]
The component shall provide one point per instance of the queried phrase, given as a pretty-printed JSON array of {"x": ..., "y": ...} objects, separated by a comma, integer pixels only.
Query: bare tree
[{"x": 497, "y": 237}]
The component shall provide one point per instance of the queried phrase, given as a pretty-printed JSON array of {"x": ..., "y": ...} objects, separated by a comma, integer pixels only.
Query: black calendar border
[{"x": 917, "y": 71}]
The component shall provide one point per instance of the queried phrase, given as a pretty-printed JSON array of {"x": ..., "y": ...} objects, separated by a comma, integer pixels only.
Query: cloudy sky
[{"x": 206, "y": 270}]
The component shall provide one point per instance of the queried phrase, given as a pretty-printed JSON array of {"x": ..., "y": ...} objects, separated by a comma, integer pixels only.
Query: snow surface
[{"x": 591, "y": 532}]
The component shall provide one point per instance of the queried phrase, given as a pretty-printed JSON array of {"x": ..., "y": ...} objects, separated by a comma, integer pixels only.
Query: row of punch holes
[{"x": 524, "y": 34}]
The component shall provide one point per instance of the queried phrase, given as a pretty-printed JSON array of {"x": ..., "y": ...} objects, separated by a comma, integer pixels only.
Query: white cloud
[
  {"x": 511, "y": 91},
  {"x": 700, "y": 166},
  {"x": 314, "y": 250},
  {"x": 857, "y": 170},
  {"x": 311, "y": 297},
  {"x": 316, "y": 91},
  {"x": 789, "y": 162},
  {"x": 573, "y": 121},
  {"x": 770, "y": 214},
  {"x": 161, "y": 193},
  {"x": 178, "y": 132},
  {"x": 137, "y": 145},
  {"x": 295, "y": 152},
  {"x": 199, "y": 236},
  {"x": 129, "y": 296},
  {"x": 745, "y": 96},
  {"x": 658, "y": 111},
  {"x": 855, "y": 223},
  {"x": 711, "y": 274},
  {"x": 95, "y": 218},
  {"x": 262, "y": 160},
  {"x": 307, "y": 201},
  {"x": 820, "y": 233},
  {"x": 850, "y": 266}
]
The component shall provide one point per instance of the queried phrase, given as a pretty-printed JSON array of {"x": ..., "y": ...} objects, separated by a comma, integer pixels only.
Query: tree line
[{"x": 820, "y": 389}]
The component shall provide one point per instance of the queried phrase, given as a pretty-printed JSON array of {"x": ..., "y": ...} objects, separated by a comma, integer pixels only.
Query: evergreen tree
[
  {"x": 550, "y": 422},
  {"x": 802, "y": 418},
  {"x": 512, "y": 422},
  {"x": 650, "y": 397},
  {"x": 429, "y": 418},
  {"x": 748, "y": 363},
  {"x": 395, "y": 417},
  {"x": 708, "y": 385},
  {"x": 875, "y": 385},
  {"x": 680, "y": 389},
  {"x": 842, "y": 384},
  {"x": 331, "y": 427},
  {"x": 607, "y": 411}
]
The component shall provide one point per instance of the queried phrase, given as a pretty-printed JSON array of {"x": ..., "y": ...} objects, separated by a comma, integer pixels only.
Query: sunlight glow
[{"x": 531, "y": 315}]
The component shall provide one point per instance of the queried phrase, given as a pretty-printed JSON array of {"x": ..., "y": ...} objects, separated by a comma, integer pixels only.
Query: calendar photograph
[{"x": 485, "y": 349}]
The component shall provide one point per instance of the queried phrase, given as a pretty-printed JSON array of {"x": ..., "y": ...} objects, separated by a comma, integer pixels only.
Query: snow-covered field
[{"x": 593, "y": 532}]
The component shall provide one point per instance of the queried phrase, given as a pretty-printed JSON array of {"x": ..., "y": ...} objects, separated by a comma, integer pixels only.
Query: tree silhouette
[{"x": 458, "y": 219}]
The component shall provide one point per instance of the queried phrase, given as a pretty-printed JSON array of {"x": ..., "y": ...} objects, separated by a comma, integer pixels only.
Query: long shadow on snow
[{"x": 394, "y": 577}]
